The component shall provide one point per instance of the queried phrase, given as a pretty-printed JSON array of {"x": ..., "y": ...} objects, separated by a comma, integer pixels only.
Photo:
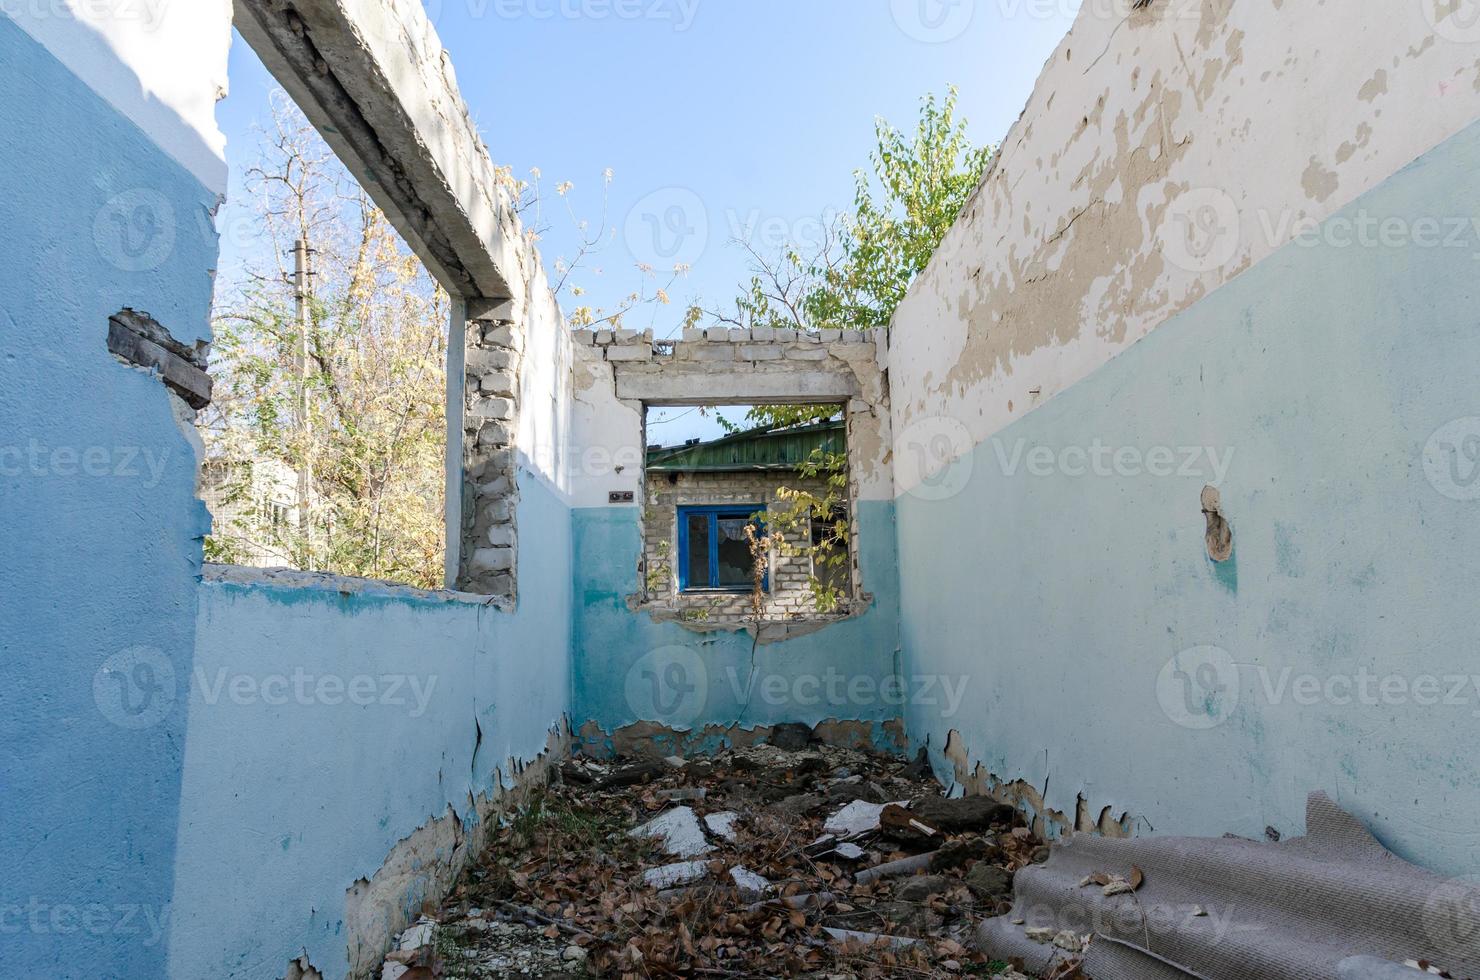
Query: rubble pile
[{"x": 806, "y": 861}]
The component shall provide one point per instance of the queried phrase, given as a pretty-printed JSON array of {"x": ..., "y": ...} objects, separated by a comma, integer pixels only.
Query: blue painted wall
[
  {"x": 629, "y": 668},
  {"x": 292, "y": 793},
  {"x": 1325, "y": 371},
  {"x": 100, "y": 524},
  {"x": 159, "y": 821}
]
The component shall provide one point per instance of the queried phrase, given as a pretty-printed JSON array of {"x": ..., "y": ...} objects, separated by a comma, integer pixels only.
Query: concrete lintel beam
[
  {"x": 371, "y": 77},
  {"x": 490, "y": 310},
  {"x": 694, "y": 383}
]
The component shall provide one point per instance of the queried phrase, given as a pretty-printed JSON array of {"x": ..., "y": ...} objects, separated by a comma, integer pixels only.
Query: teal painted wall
[
  {"x": 629, "y": 668},
  {"x": 293, "y": 791},
  {"x": 100, "y": 523},
  {"x": 1329, "y": 373}
]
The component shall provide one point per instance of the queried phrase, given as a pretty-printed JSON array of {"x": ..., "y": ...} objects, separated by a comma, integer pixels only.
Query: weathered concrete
[
  {"x": 724, "y": 675},
  {"x": 1169, "y": 253},
  {"x": 372, "y": 77},
  {"x": 1163, "y": 151}
]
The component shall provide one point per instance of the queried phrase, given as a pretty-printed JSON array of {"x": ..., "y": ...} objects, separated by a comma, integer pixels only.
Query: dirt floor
[{"x": 759, "y": 862}]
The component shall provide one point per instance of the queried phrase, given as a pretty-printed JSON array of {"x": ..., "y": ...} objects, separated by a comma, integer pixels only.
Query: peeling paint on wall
[
  {"x": 974, "y": 780},
  {"x": 1162, "y": 153},
  {"x": 423, "y": 867},
  {"x": 648, "y": 739}
]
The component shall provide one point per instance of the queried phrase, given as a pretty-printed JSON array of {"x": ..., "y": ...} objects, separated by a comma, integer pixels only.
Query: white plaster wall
[
  {"x": 161, "y": 63},
  {"x": 607, "y": 433},
  {"x": 1244, "y": 118},
  {"x": 545, "y": 395}
]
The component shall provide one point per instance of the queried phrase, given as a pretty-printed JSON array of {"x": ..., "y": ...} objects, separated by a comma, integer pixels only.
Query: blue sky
[{"x": 718, "y": 118}]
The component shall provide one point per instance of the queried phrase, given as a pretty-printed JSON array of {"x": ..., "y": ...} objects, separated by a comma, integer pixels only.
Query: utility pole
[{"x": 302, "y": 294}]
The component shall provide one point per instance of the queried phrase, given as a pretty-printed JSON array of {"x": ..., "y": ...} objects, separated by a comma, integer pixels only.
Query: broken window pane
[
  {"x": 715, "y": 548},
  {"x": 736, "y": 566}
]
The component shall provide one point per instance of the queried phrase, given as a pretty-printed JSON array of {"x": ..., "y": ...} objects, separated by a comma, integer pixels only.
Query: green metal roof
[{"x": 758, "y": 449}]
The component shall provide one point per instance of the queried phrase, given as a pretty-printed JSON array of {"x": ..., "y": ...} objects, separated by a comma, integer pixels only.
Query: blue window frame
[{"x": 713, "y": 552}]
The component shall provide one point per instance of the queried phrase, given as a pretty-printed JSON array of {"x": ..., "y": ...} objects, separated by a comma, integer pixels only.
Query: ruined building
[{"x": 1168, "y": 462}]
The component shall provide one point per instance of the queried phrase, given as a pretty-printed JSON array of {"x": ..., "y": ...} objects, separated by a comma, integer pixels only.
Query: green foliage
[
  {"x": 791, "y": 522},
  {"x": 830, "y": 556},
  {"x": 856, "y": 276},
  {"x": 923, "y": 182},
  {"x": 781, "y": 417}
]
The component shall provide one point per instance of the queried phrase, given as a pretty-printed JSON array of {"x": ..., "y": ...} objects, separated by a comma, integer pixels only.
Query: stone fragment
[
  {"x": 916, "y": 919},
  {"x": 417, "y": 936},
  {"x": 791, "y": 736},
  {"x": 801, "y": 804},
  {"x": 921, "y": 887},
  {"x": 988, "y": 881},
  {"x": 964, "y": 814},
  {"x": 963, "y": 851}
]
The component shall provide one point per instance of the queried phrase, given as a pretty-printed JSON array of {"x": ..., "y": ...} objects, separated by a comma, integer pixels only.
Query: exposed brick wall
[
  {"x": 790, "y": 596},
  {"x": 491, "y": 488}
]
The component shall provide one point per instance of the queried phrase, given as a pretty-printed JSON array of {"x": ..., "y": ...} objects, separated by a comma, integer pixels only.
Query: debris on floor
[{"x": 805, "y": 861}]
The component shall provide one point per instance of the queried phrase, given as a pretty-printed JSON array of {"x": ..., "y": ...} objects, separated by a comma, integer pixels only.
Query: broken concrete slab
[
  {"x": 679, "y": 831},
  {"x": 858, "y": 817},
  {"x": 722, "y": 825},
  {"x": 417, "y": 936},
  {"x": 674, "y": 875},
  {"x": 751, "y": 885}
]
